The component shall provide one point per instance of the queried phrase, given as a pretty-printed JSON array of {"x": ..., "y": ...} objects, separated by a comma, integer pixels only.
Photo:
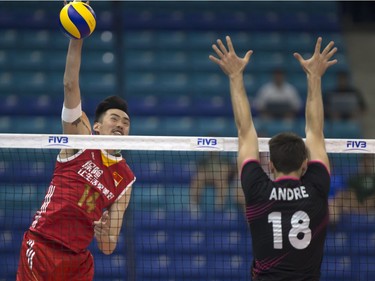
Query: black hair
[
  {"x": 112, "y": 102},
  {"x": 287, "y": 152}
]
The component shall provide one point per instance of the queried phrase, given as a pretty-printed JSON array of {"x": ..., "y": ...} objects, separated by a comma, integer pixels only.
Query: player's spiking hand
[
  {"x": 228, "y": 60},
  {"x": 320, "y": 61}
]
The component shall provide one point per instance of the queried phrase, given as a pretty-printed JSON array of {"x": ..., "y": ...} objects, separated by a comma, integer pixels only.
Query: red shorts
[{"x": 45, "y": 260}]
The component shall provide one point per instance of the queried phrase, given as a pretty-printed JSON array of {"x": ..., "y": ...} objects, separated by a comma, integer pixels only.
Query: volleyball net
[{"x": 186, "y": 216}]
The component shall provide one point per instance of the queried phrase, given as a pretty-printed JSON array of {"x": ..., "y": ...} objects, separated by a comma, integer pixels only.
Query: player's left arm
[
  {"x": 315, "y": 67},
  {"x": 107, "y": 229},
  {"x": 234, "y": 66}
]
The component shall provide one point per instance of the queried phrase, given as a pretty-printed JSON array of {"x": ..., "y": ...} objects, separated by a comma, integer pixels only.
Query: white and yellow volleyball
[{"x": 77, "y": 20}]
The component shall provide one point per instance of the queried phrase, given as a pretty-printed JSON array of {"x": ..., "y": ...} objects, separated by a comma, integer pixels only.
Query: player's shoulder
[
  {"x": 317, "y": 166},
  {"x": 250, "y": 164}
]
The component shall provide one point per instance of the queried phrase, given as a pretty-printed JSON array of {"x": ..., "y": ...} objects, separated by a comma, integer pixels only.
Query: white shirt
[{"x": 269, "y": 92}]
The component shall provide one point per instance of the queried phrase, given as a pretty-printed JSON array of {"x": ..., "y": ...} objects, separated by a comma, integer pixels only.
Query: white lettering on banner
[
  {"x": 288, "y": 194},
  {"x": 90, "y": 172}
]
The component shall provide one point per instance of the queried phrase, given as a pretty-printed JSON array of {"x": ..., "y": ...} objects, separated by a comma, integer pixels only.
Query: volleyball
[{"x": 77, "y": 20}]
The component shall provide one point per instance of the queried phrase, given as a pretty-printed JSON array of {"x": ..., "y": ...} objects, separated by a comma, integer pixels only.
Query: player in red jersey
[
  {"x": 288, "y": 216},
  {"x": 88, "y": 194}
]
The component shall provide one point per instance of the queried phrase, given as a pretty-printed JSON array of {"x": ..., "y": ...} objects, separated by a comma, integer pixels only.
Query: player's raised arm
[
  {"x": 315, "y": 67},
  {"x": 73, "y": 119},
  {"x": 234, "y": 66}
]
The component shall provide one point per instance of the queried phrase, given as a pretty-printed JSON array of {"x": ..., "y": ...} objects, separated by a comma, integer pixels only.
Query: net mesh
[{"x": 186, "y": 216}]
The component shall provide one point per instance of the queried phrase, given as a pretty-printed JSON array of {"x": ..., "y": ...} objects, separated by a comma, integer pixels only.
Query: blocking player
[
  {"x": 88, "y": 194},
  {"x": 287, "y": 216}
]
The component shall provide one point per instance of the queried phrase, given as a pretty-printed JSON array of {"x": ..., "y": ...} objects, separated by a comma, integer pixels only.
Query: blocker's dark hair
[
  {"x": 287, "y": 152},
  {"x": 112, "y": 102}
]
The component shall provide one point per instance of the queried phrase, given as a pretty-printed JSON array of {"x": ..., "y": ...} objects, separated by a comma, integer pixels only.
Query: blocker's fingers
[
  {"x": 217, "y": 51},
  {"x": 230, "y": 45},
  {"x": 214, "y": 59},
  {"x": 328, "y": 48},
  {"x": 298, "y": 57},
  {"x": 318, "y": 45},
  {"x": 222, "y": 47},
  {"x": 331, "y": 53}
]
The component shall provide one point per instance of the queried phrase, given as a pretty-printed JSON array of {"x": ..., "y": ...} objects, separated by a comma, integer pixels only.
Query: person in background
[
  {"x": 288, "y": 216},
  {"x": 344, "y": 102},
  {"x": 278, "y": 98},
  {"x": 213, "y": 170}
]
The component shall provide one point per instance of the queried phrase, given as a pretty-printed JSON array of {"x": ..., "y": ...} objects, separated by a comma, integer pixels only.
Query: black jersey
[{"x": 288, "y": 219}]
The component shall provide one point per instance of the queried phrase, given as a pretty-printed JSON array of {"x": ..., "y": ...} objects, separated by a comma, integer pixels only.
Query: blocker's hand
[
  {"x": 101, "y": 227},
  {"x": 320, "y": 61},
  {"x": 228, "y": 60}
]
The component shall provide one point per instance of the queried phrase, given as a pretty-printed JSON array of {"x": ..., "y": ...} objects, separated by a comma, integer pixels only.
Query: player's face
[{"x": 114, "y": 122}]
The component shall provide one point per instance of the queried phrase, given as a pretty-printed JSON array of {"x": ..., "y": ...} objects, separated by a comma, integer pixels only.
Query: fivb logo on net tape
[
  {"x": 58, "y": 141},
  {"x": 356, "y": 145},
  {"x": 208, "y": 143}
]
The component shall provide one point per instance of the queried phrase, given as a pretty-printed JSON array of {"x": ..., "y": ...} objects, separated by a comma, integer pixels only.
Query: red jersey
[{"x": 82, "y": 186}]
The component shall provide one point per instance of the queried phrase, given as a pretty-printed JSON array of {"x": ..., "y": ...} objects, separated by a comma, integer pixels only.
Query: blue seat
[
  {"x": 344, "y": 129},
  {"x": 16, "y": 219},
  {"x": 145, "y": 126},
  {"x": 243, "y": 40},
  {"x": 265, "y": 41},
  {"x": 199, "y": 61},
  {"x": 337, "y": 243},
  {"x": 37, "y": 171},
  {"x": 149, "y": 196},
  {"x": 190, "y": 266},
  {"x": 158, "y": 171},
  {"x": 157, "y": 266},
  {"x": 8, "y": 265},
  {"x": 337, "y": 268},
  {"x": 30, "y": 105},
  {"x": 139, "y": 39},
  {"x": 113, "y": 266},
  {"x": 363, "y": 242},
  {"x": 208, "y": 83},
  {"x": 365, "y": 267},
  {"x": 189, "y": 242},
  {"x": 10, "y": 240},
  {"x": 154, "y": 219},
  {"x": 357, "y": 223},
  {"x": 98, "y": 83},
  {"x": 31, "y": 81},
  {"x": 20, "y": 194},
  {"x": 229, "y": 242},
  {"x": 28, "y": 60},
  {"x": 139, "y": 59},
  {"x": 103, "y": 40},
  {"x": 273, "y": 127},
  {"x": 102, "y": 61},
  {"x": 200, "y": 40},
  {"x": 178, "y": 126},
  {"x": 300, "y": 42},
  {"x": 160, "y": 84},
  {"x": 217, "y": 126},
  {"x": 171, "y": 39},
  {"x": 268, "y": 61},
  {"x": 9, "y": 37},
  {"x": 229, "y": 267},
  {"x": 153, "y": 242}
]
